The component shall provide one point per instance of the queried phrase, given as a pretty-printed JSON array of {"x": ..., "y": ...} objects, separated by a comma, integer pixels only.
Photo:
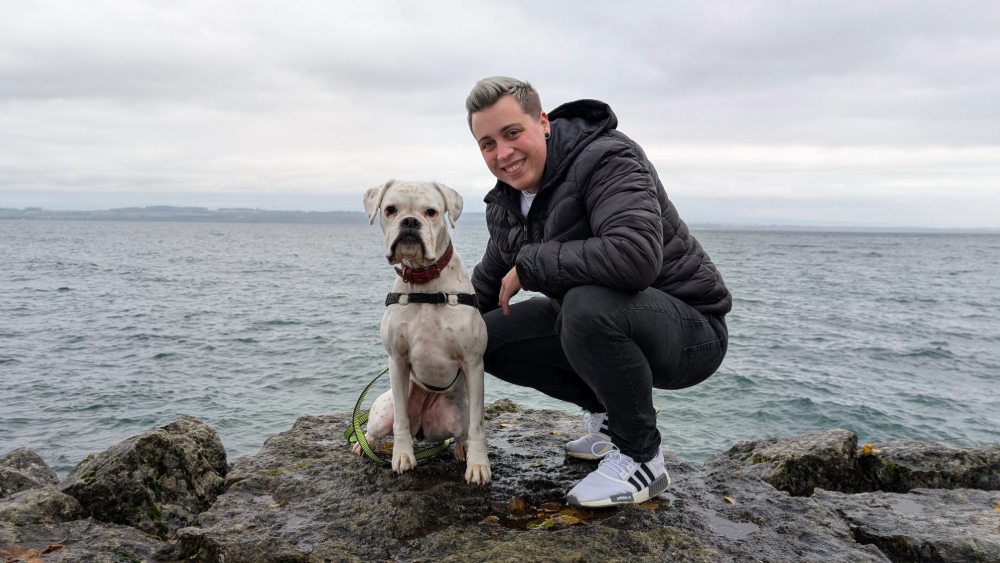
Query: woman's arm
[
  {"x": 486, "y": 277},
  {"x": 626, "y": 251}
]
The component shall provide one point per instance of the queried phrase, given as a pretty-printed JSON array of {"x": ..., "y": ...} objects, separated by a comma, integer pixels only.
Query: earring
[{"x": 546, "y": 134}]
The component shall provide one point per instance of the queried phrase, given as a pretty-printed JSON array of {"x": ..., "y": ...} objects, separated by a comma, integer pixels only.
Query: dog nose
[{"x": 410, "y": 223}]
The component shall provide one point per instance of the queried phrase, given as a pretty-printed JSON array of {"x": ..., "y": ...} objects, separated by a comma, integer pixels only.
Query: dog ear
[
  {"x": 373, "y": 200},
  {"x": 452, "y": 202}
]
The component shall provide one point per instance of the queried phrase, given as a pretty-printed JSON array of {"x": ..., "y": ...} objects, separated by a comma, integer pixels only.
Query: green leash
[{"x": 354, "y": 433}]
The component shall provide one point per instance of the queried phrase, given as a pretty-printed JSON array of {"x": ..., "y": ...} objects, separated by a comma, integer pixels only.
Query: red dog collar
[{"x": 426, "y": 274}]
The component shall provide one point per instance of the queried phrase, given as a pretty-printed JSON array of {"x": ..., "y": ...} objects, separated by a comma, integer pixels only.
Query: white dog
[{"x": 435, "y": 349}]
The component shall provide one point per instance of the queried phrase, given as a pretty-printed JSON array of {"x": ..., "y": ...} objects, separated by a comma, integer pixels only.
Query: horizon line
[{"x": 730, "y": 225}]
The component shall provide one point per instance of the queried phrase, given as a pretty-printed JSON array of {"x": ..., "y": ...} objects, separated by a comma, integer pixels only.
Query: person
[{"x": 630, "y": 300}]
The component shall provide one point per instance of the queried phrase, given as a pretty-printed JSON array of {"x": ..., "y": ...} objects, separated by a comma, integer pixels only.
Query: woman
[{"x": 631, "y": 300}]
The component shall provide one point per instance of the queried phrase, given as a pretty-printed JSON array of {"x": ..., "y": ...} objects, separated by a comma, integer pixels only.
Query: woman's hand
[{"x": 508, "y": 288}]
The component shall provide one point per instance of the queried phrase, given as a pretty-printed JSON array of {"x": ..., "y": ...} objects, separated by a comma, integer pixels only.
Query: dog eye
[
  {"x": 431, "y": 212},
  {"x": 391, "y": 210}
]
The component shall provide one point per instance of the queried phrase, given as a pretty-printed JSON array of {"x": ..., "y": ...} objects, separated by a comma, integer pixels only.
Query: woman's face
[{"x": 512, "y": 143}]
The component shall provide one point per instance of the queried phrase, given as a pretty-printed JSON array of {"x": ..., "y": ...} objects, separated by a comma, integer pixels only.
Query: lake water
[{"x": 108, "y": 329}]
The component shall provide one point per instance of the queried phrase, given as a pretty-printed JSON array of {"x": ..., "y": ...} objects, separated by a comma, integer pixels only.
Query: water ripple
[{"x": 111, "y": 328}]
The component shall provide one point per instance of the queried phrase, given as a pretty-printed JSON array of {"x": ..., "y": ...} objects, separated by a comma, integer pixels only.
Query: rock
[
  {"x": 901, "y": 466},
  {"x": 797, "y": 465},
  {"x": 39, "y": 506},
  {"x": 22, "y": 470},
  {"x": 498, "y": 407},
  {"x": 761, "y": 524},
  {"x": 924, "y": 525},
  {"x": 157, "y": 482},
  {"x": 305, "y": 497},
  {"x": 87, "y": 541}
]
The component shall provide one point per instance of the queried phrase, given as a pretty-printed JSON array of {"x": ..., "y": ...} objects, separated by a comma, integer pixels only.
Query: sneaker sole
[
  {"x": 589, "y": 456},
  {"x": 659, "y": 485}
]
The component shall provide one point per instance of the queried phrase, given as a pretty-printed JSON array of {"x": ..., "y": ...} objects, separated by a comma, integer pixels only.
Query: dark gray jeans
[{"x": 604, "y": 350}]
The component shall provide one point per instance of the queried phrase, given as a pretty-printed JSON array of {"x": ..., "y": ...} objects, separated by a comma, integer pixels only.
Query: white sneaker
[
  {"x": 619, "y": 480},
  {"x": 595, "y": 424}
]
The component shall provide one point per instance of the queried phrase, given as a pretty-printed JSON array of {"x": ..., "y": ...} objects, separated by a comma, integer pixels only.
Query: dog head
[{"x": 412, "y": 216}]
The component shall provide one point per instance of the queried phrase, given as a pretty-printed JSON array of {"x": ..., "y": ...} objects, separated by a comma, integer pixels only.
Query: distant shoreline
[{"x": 166, "y": 213}]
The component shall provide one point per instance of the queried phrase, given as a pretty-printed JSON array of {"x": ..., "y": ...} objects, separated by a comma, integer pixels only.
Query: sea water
[{"x": 110, "y": 328}]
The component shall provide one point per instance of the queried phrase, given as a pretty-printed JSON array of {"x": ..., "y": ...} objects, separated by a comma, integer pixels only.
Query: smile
[{"x": 514, "y": 167}]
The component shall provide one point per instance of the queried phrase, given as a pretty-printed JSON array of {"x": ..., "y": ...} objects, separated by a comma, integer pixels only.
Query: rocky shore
[{"x": 170, "y": 495}]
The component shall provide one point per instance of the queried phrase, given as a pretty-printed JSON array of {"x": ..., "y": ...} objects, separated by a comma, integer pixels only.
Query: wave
[{"x": 937, "y": 353}]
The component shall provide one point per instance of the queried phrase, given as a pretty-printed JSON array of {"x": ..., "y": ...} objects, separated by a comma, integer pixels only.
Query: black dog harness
[{"x": 442, "y": 299}]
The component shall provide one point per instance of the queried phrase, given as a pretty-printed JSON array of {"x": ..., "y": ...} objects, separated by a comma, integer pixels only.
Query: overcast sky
[{"x": 872, "y": 113}]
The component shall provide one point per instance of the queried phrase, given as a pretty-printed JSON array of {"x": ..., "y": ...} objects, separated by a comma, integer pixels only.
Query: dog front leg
[
  {"x": 402, "y": 446},
  {"x": 477, "y": 468}
]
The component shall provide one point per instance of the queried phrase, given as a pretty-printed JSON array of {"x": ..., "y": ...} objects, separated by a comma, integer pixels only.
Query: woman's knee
[
  {"x": 586, "y": 302},
  {"x": 587, "y": 318}
]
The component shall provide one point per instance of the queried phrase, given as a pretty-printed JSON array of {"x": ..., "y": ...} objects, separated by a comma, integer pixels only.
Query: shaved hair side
[{"x": 489, "y": 90}]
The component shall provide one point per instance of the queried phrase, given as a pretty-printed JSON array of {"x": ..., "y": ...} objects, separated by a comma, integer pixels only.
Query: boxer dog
[{"x": 435, "y": 350}]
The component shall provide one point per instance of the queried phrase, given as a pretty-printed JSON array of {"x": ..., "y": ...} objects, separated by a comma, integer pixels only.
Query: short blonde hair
[{"x": 489, "y": 90}]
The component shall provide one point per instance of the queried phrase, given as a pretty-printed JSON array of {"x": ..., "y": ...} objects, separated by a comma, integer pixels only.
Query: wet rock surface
[
  {"x": 39, "y": 506},
  {"x": 924, "y": 525},
  {"x": 799, "y": 464},
  {"x": 901, "y": 466},
  {"x": 87, "y": 541},
  {"x": 156, "y": 482},
  {"x": 22, "y": 470},
  {"x": 305, "y": 497}
]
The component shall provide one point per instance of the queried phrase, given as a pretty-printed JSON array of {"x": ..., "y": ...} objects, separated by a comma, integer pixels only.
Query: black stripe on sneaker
[
  {"x": 632, "y": 481},
  {"x": 649, "y": 471},
  {"x": 641, "y": 477}
]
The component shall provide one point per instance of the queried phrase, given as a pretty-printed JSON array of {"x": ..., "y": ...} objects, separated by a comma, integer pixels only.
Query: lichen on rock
[
  {"x": 799, "y": 464},
  {"x": 911, "y": 464},
  {"x": 157, "y": 482},
  {"x": 499, "y": 407}
]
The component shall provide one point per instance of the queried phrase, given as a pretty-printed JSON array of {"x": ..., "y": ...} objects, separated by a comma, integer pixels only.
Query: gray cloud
[{"x": 840, "y": 110}]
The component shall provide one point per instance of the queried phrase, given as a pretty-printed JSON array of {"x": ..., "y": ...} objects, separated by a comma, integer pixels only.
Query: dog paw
[
  {"x": 460, "y": 452},
  {"x": 403, "y": 461},
  {"x": 478, "y": 474},
  {"x": 372, "y": 443}
]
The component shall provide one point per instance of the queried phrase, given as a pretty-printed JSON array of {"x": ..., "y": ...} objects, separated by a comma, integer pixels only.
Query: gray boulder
[
  {"x": 86, "y": 541},
  {"x": 924, "y": 525},
  {"x": 39, "y": 506},
  {"x": 157, "y": 482},
  {"x": 797, "y": 465},
  {"x": 305, "y": 497},
  {"x": 22, "y": 470},
  {"x": 901, "y": 466}
]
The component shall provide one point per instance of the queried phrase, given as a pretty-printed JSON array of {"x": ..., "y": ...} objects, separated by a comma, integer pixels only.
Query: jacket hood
[{"x": 574, "y": 125}]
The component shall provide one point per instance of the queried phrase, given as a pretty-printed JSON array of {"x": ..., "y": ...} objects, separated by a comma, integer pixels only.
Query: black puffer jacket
[{"x": 601, "y": 217}]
